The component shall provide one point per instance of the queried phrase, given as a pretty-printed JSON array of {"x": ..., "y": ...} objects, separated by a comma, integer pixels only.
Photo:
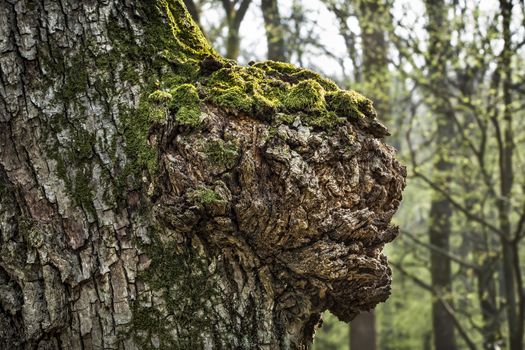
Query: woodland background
[{"x": 447, "y": 77}]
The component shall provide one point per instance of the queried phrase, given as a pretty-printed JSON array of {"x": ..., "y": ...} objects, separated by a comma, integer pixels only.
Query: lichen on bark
[{"x": 157, "y": 195}]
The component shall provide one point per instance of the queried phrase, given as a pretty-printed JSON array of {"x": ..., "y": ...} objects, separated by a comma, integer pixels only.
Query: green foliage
[{"x": 333, "y": 335}]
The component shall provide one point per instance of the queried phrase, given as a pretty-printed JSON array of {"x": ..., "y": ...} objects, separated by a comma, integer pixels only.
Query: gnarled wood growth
[{"x": 156, "y": 195}]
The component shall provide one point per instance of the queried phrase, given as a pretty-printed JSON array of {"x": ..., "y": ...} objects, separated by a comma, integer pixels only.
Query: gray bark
[{"x": 121, "y": 228}]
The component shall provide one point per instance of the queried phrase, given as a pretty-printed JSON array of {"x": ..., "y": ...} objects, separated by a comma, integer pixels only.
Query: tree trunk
[
  {"x": 151, "y": 196},
  {"x": 513, "y": 289},
  {"x": 274, "y": 30},
  {"x": 440, "y": 208},
  {"x": 234, "y": 17},
  {"x": 363, "y": 332},
  {"x": 374, "y": 21},
  {"x": 233, "y": 43}
]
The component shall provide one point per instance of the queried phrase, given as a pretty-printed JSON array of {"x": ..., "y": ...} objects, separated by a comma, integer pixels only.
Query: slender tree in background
[
  {"x": 137, "y": 169},
  {"x": 274, "y": 30},
  {"x": 513, "y": 283},
  {"x": 440, "y": 208},
  {"x": 375, "y": 23},
  {"x": 478, "y": 100},
  {"x": 373, "y": 17},
  {"x": 235, "y": 10}
]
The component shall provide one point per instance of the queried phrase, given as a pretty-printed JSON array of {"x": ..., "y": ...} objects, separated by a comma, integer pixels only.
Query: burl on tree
[{"x": 156, "y": 195}]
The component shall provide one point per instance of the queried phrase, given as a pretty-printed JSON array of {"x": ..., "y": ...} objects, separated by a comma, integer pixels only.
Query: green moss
[
  {"x": 76, "y": 78},
  {"x": 82, "y": 190},
  {"x": 160, "y": 97},
  {"x": 284, "y": 118},
  {"x": 306, "y": 96},
  {"x": 304, "y": 74},
  {"x": 186, "y": 101},
  {"x": 294, "y": 74},
  {"x": 204, "y": 195},
  {"x": 347, "y": 103},
  {"x": 325, "y": 119},
  {"x": 185, "y": 95},
  {"x": 234, "y": 98},
  {"x": 186, "y": 38},
  {"x": 221, "y": 153},
  {"x": 28, "y": 228},
  {"x": 182, "y": 279},
  {"x": 83, "y": 143},
  {"x": 280, "y": 92},
  {"x": 189, "y": 116}
]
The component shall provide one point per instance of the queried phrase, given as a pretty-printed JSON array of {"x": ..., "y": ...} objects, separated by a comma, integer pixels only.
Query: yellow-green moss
[
  {"x": 234, "y": 98},
  {"x": 269, "y": 89},
  {"x": 306, "y": 96},
  {"x": 205, "y": 195},
  {"x": 294, "y": 74},
  {"x": 136, "y": 123},
  {"x": 186, "y": 102},
  {"x": 160, "y": 97},
  {"x": 347, "y": 103}
]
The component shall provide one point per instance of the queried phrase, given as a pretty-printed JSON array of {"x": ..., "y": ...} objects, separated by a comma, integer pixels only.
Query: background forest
[{"x": 447, "y": 77}]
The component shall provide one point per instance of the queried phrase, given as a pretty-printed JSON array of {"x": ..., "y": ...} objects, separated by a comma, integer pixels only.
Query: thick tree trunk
[{"x": 145, "y": 203}]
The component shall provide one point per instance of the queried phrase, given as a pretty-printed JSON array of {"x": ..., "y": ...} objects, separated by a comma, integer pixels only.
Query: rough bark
[{"x": 133, "y": 216}]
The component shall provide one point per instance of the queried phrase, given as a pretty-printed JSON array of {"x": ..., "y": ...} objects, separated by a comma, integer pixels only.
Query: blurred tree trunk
[
  {"x": 374, "y": 21},
  {"x": 274, "y": 30},
  {"x": 440, "y": 208},
  {"x": 194, "y": 11},
  {"x": 363, "y": 332},
  {"x": 513, "y": 286},
  {"x": 235, "y": 11}
]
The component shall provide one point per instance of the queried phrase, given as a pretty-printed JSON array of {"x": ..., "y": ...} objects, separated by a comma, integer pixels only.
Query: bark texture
[{"x": 144, "y": 204}]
